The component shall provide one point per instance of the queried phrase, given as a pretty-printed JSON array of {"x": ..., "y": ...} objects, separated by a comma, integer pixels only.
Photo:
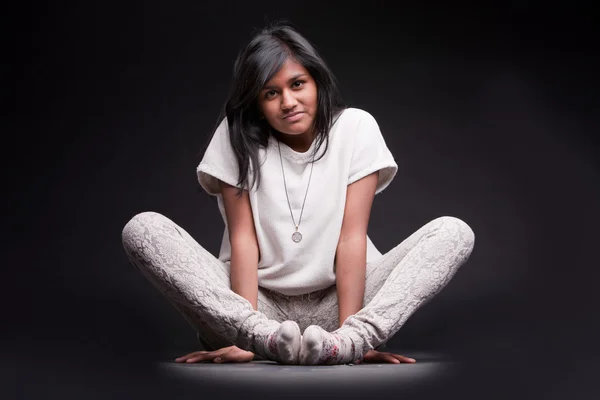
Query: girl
[{"x": 294, "y": 171}]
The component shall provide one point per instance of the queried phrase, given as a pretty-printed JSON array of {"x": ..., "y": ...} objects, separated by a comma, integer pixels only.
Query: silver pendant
[{"x": 297, "y": 236}]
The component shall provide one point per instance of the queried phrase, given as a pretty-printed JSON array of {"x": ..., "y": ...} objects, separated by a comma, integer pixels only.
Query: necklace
[{"x": 296, "y": 236}]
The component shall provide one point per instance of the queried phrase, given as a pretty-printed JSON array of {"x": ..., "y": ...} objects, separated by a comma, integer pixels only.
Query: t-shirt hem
[
  {"x": 384, "y": 180},
  {"x": 208, "y": 176}
]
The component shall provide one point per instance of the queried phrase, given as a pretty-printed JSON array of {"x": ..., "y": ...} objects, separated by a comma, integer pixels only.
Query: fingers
[
  {"x": 375, "y": 357},
  {"x": 199, "y": 356},
  {"x": 404, "y": 359},
  {"x": 208, "y": 356},
  {"x": 188, "y": 356},
  {"x": 389, "y": 358},
  {"x": 397, "y": 359}
]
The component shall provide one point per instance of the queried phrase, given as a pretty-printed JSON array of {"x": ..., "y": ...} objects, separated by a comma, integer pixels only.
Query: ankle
[{"x": 359, "y": 345}]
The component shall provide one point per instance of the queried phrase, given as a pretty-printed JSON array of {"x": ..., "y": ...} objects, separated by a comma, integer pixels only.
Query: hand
[
  {"x": 231, "y": 354},
  {"x": 374, "y": 356}
]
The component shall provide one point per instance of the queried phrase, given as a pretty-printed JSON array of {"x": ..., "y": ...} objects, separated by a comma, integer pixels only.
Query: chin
[
  {"x": 295, "y": 132},
  {"x": 288, "y": 131},
  {"x": 295, "y": 129}
]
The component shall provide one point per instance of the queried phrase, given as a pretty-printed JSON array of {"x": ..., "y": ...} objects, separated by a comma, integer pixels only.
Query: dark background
[{"x": 491, "y": 114}]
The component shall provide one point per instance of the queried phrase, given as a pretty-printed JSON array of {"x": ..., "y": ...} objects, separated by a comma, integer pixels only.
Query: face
[{"x": 289, "y": 100}]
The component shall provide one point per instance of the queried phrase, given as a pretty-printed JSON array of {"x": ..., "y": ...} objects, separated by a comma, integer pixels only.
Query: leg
[
  {"x": 208, "y": 339},
  {"x": 397, "y": 284},
  {"x": 198, "y": 285}
]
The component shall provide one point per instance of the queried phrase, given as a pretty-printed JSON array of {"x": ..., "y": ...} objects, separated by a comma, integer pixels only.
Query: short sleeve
[
  {"x": 370, "y": 154},
  {"x": 218, "y": 163}
]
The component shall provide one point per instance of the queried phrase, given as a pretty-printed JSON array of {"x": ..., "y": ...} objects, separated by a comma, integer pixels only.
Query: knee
[
  {"x": 460, "y": 230},
  {"x": 137, "y": 224}
]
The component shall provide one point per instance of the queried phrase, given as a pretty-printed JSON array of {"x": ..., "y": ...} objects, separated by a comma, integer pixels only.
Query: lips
[{"x": 292, "y": 114}]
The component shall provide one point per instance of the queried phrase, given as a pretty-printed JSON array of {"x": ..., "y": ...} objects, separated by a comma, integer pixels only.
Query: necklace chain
[{"x": 286, "y": 191}]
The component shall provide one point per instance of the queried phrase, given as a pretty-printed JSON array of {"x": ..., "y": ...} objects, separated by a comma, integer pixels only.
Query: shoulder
[
  {"x": 352, "y": 115},
  {"x": 358, "y": 124},
  {"x": 220, "y": 136},
  {"x": 222, "y": 128}
]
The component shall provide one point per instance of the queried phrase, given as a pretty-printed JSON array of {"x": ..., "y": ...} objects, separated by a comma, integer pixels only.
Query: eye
[
  {"x": 270, "y": 94},
  {"x": 297, "y": 86}
]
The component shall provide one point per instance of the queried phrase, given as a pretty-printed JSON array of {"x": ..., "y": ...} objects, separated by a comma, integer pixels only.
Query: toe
[
  {"x": 288, "y": 342},
  {"x": 312, "y": 337},
  {"x": 289, "y": 331},
  {"x": 312, "y": 343}
]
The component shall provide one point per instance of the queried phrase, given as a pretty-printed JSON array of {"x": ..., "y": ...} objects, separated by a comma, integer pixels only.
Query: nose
[{"x": 288, "y": 101}]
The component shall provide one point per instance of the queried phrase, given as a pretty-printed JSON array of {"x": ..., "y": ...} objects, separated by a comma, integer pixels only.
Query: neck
[{"x": 299, "y": 143}]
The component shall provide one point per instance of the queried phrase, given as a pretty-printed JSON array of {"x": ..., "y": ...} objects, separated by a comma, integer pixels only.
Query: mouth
[{"x": 293, "y": 114}]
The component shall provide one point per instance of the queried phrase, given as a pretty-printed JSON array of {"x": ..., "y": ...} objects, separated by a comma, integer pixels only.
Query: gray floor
[{"x": 429, "y": 369}]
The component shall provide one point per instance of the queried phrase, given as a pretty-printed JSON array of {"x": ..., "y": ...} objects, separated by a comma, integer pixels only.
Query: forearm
[
  {"x": 351, "y": 265},
  {"x": 244, "y": 271}
]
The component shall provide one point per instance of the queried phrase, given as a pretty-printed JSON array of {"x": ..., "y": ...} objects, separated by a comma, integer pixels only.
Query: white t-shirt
[{"x": 356, "y": 149}]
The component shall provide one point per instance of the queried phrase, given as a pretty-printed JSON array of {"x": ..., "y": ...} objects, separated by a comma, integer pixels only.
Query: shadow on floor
[{"x": 429, "y": 370}]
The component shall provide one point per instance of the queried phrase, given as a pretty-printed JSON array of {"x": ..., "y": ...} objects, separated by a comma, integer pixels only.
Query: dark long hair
[{"x": 255, "y": 65}]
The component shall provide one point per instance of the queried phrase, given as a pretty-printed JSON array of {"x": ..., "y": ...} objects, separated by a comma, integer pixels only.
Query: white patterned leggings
[{"x": 197, "y": 283}]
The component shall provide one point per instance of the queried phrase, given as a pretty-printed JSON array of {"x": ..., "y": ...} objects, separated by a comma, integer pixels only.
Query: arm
[
  {"x": 244, "y": 244},
  {"x": 351, "y": 252},
  {"x": 244, "y": 268}
]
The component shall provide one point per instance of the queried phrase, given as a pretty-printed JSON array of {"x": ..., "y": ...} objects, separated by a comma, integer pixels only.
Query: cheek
[
  {"x": 270, "y": 111},
  {"x": 312, "y": 99}
]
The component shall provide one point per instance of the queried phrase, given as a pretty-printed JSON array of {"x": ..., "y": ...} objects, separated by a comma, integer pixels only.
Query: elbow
[
  {"x": 351, "y": 249},
  {"x": 356, "y": 240},
  {"x": 245, "y": 246},
  {"x": 243, "y": 241}
]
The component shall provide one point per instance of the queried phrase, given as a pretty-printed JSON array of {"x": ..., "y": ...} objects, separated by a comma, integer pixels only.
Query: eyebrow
[{"x": 293, "y": 78}]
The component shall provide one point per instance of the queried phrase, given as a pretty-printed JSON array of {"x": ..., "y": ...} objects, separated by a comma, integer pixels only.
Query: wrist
[{"x": 341, "y": 321}]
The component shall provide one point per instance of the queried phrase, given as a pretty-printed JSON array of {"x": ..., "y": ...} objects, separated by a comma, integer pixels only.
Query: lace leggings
[{"x": 197, "y": 283}]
